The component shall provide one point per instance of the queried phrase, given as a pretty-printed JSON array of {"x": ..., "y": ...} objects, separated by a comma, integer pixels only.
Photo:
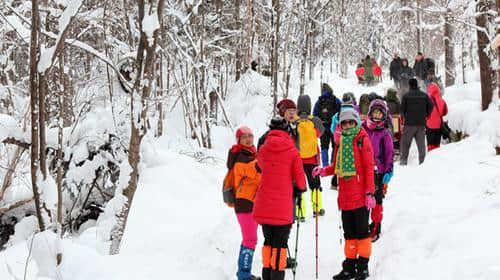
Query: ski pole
[
  {"x": 317, "y": 214},
  {"x": 294, "y": 268}
]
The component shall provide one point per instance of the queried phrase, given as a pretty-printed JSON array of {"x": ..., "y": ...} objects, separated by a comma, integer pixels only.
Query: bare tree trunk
[
  {"x": 303, "y": 59},
  {"x": 276, "y": 42},
  {"x": 143, "y": 84},
  {"x": 237, "y": 6},
  {"x": 34, "y": 49},
  {"x": 449, "y": 50},
  {"x": 7, "y": 179},
  {"x": 484, "y": 61},
  {"x": 419, "y": 32},
  {"x": 59, "y": 178},
  {"x": 464, "y": 67}
]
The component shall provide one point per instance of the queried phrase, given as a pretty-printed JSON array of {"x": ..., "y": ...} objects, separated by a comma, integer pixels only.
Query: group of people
[
  {"x": 368, "y": 71},
  {"x": 424, "y": 70},
  {"x": 270, "y": 180}
]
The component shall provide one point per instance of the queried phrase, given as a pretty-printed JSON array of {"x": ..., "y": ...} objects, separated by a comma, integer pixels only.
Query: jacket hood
[
  {"x": 304, "y": 104},
  {"x": 278, "y": 141},
  {"x": 378, "y": 104},
  {"x": 434, "y": 90}
]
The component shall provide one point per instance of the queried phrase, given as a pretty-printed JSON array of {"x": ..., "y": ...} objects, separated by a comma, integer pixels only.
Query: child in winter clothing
[
  {"x": 382, "y": 145},
  {"x": 353, "y": 164},
  {"x": 440, "y": 109},
  {"x": 242, "y": 161},
  {"x": 309, "y": 128},
  {"x": 282, "y": 171}
]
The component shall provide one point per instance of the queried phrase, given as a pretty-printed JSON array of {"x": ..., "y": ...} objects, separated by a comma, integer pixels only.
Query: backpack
[
  {"x": 327, "y": 108},
  {"x": 228, "y": 189},
  {"x": 308, "y": 141}
]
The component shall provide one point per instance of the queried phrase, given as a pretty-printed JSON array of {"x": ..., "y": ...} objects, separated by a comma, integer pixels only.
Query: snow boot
[
  {"x": 362, "y": 269},
  {"x": 324, "y": 157},
  {"x": 348, "y": 270},
  {"x": 245, "y": 264}
]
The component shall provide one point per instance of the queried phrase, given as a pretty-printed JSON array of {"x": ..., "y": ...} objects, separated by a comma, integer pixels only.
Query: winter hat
[
  {"x": 304, "y": 104},
  {"x": 349, "y": 114},
  {"x": 378, "y": 104},
  {"x": 279, "y": 123},
  {"x": 413, "y": 83},
  {"x": 242, "y": 131},
  {"x": 348, "y": 98},
  {"x": 284, "y": 105}
]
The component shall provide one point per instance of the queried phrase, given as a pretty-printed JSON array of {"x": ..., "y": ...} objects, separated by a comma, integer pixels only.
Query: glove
[
  {"x": 319, "y": 171},
  {"x": 387, "y": 178},
  {"x": 370, "y": 202}
]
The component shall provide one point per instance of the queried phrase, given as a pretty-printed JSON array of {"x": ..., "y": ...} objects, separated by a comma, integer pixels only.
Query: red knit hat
[
  {"x": 284, "y": 105},
  {"x": 242, "y": 131}
]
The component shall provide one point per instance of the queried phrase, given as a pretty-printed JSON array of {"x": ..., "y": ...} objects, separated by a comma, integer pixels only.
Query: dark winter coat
[
  {"x": 368, "y": 65},
  {"x": 421, "y": 67},
  {"x": 326, "y": 107},
  {"x": 395, "y": 68},
  {"x": 415, "y": 107},
  {"x": 353, "y": 190},
  {"x": 405, "y": 74},
  {"x": 282, "y": 169}
]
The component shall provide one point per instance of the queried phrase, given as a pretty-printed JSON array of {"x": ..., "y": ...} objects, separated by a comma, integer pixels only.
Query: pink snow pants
[{"x": 248, "y": 230}]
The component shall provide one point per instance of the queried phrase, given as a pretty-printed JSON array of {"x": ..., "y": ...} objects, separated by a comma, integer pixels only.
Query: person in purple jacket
[{"x": 383, "y": 149}]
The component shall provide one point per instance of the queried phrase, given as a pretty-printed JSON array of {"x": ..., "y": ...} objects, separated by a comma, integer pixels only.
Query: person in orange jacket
[
  {"x": 242, "y": 160},
  {"x": 435, "y": 119}
]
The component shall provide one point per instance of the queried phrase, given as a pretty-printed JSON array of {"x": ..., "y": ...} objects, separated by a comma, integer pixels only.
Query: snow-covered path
[{"x": 440, "y": 221}]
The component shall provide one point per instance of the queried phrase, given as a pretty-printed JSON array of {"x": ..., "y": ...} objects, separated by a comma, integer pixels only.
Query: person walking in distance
[
  {"x": 325, "y": 108},
  {"x": 353, "y": 163},
  {"x": 416, "y": 107},
  {"x": 282, "y": 171},
  {"x": 395, "y": 69},
  {"x": 435, "y": 119}
]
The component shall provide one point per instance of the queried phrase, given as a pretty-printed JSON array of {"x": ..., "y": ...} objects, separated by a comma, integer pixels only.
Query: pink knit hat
[{"x": 242, "y": 131}]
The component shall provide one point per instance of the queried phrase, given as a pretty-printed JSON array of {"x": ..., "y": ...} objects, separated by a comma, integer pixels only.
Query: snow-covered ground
[{"x": 441, "y": 218}]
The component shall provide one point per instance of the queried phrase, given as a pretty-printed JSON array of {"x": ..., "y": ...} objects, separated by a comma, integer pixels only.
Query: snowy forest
[{"x": 116, "y": 118}]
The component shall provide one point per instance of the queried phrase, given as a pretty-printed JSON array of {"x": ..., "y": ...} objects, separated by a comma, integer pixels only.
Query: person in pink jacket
[{"x": 440, "y": 109}]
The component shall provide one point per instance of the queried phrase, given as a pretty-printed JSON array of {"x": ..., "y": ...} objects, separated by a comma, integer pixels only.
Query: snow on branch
[{"x": 48, "y": 55}]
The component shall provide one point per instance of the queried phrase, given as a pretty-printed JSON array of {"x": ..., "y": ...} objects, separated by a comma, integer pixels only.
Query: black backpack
[{"x": 327, "y": 109}]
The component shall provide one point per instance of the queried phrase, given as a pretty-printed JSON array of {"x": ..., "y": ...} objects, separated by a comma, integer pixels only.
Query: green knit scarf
[{"x": 345, "y": 166}]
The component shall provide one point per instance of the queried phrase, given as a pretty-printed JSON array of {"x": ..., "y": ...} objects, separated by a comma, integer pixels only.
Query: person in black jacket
[
  {"x": 405, "y": 74},
  {"x": 395, "y": 69},
  {"x": 415, "y": 108}
]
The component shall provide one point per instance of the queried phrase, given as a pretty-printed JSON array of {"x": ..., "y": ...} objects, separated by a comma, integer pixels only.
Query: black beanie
[{"x": 413, "y": 83}]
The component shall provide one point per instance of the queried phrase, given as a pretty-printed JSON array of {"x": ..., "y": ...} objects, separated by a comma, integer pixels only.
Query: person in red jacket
[
  {"x": 354, "y": 166},
  {"x": 282, "y": 171},
  {"x": 434, "y": 120}
]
